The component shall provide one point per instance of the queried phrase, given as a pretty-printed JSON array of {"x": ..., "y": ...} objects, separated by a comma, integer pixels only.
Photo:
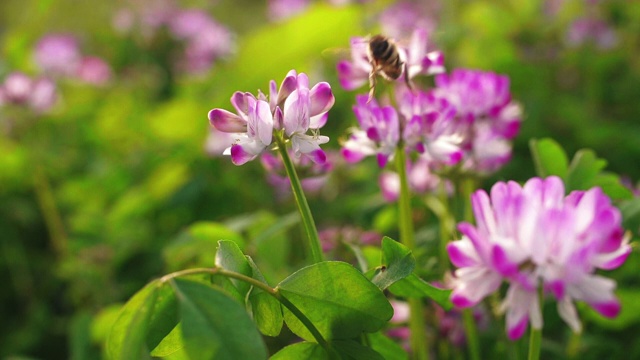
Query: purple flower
[
  {"x": 379, "y": 132},
  {"x": 588, "y": 29},
  {"x": 486, "y": 117},
  {"x": 400, "y": 19},
  {"x": 302, "y": 110},
  {"x": 531, "y": 236},
  {"x": 283, "y": 9},
  {"x": 58, "y": 54},
  {"x": 38, "y": 94},
  {"x": 94, "y": 70},
  {"x": 355, "y": 73}
]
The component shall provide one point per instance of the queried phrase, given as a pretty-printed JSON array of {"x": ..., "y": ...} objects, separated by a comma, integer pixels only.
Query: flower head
[
  {"x": 294, "y": 110},
  {"x": 37, "y": 94},
  {"x": 534, "y": 236}
]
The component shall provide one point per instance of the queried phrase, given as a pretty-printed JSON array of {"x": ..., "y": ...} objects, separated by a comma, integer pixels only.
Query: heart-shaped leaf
[
  {"x": 214, "y": 326},
  {"x": 302, "y": 350},
  {"x": 337, "y": 299},
  {"x": 397, "y": 263}
]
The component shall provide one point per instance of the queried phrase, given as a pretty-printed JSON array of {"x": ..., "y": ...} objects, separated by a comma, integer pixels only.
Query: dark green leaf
[
  {"x": 230, "y": 257},
  {"x": 267, "y": 312},
  {"x": 302, "y": 350},
  {"x": 337, "y": 299},
  {"x": 414, "y": 287},
  {"x": 164, "y": 317},
  {"x": 389, "y": 349},
  {"x": 549, "y": 158},
  {"x": 214, "y": 326},
  {"x": 349, "y": 349},
  {"x": 128, "y": 334},
  {"x": 397, "y": 263}
]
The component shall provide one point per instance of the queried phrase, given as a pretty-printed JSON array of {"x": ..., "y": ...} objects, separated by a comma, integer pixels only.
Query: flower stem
[
  {"x": 416, "y": 320},
  {"x": 52, "y": 218},
  {"x": 472, "y": 334},
  {"x": 466, "y": 188},
  {"x": 303, "y": 206},
  {"x": 535, "y": 338}
]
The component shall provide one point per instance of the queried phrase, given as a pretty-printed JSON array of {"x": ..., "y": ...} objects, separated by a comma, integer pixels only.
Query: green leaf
[
  {"x": 414, "y": 287},
  {"x": 389, "y": 349},
  {"x": 128, "y": 334},
  {"x": 583, "y": 170},
  {"x": 611, "y": 185},
  {"x": 267, "y": 311},
  {"x": 337, "y": 299},
  {"x": 214, "y": 326},
  {"x": 630, "y": 210},
  {"x": 164, "y": 317},
  {"x": 230, "y": 257},
  {"x": 302, "y": 350},
  {"x": 171, "y": 343},
  {"x": 349, "y": 349},
  {"x": 397, "y": 263},
  {"x": 549, "y": 158}
]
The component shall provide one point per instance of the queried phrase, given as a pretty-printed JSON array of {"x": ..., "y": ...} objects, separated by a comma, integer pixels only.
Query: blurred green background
[{"x": 101, "y": 194}]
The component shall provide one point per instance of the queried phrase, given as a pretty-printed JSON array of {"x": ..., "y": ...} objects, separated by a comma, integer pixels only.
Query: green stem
[
  {"x": 52, "y": 218},
  {"x": 262, "y": 286},
  {"x": 472, "y": 334},
  {"x": 535, "y": 338},
  {"x": 301, "y": 200},
  {"x": 416, "y": 321},
  {"x": 466, "y": 187},
  {"x": 445, "y": 235}
]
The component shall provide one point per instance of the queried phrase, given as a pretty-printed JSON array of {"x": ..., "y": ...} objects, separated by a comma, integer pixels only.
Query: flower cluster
[
  {"x": 468, "y": 120},
  {"x": 290, "y": 111},
  {"x": 59, "y": 55},
  {"x": 535, "y": 238},
  {"x": 37, "y": 94},
  {"x": 203, "y": 40},
  {"x": 420, "y": 177}
]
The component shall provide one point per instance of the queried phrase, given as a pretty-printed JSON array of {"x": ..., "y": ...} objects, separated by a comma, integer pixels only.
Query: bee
[{"x": 385, "y": 61}]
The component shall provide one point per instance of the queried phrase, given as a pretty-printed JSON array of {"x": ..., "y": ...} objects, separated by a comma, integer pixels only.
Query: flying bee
[{"x": 385, "y": 61}]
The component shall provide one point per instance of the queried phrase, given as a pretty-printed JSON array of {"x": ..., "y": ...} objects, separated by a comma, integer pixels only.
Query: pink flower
[
  {"x": 58, "y": 54},
  {"x": 256, "y": 119},
  {"x": 93, "y": 70},
  {"x": 534, "y": 236},
  {"x": 38, "y": 94}
]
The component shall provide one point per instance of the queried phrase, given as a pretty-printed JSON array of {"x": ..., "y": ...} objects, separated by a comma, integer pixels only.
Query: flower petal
[{"x": 226, "y": 121}]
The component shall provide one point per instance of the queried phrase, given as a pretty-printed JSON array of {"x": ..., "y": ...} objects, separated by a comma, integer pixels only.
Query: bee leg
[
  {"x": 406, "y": 78},
  {"x": 372, "y": 85}
]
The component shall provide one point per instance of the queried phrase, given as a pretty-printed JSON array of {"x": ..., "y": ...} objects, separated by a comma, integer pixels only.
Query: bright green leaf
[
  {"x": 230, "y": 257},
  {"x": 549, "y": 158},
  {"x": 267, "y": 311},
  {"x": 164, "y": 317},
  {"x": 397, "y": 263},
  {"x": 389, "y": 349},
  {"x": 414, "y": 287},
  {"x": 583, "y": 170},
  {"x": 128, "y": 334},
  {"x": 611, "y": 185},
  {"x": 302, "y": 350},
  {"x": 337, "y": 299},
  {"x": 214, "y": 326},
  {"x": 171, "y": 343}
]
